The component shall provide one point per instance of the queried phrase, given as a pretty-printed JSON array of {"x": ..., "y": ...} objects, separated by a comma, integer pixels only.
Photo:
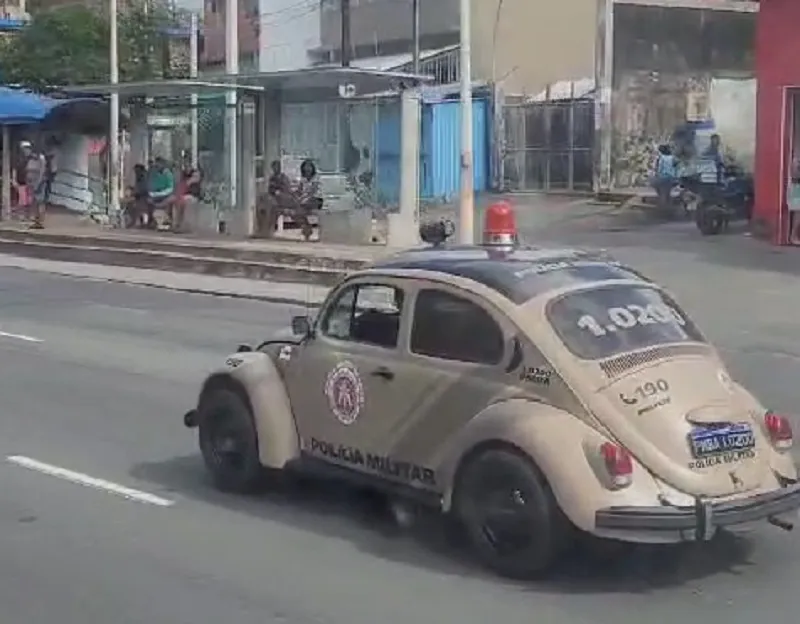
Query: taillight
[
  {"x": 780, "y": 430},
  {"x": 619, "y": 464}
]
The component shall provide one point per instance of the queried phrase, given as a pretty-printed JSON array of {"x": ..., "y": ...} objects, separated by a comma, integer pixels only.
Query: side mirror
[{"x": 301, "y": 326}]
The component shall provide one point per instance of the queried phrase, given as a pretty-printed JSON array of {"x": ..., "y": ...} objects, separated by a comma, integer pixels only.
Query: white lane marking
[
  {"x": 86, "y": 480},
  {"x": 20, "y": 337}
]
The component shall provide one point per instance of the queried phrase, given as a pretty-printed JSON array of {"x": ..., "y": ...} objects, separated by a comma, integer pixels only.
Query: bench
[{"x": 334, "y": 188}]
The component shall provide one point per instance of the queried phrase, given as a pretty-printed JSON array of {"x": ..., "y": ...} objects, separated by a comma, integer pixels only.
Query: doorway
[{"x": 792, "y": 181}]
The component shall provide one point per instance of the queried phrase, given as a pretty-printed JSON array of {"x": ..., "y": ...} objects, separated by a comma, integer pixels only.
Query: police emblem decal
[{"x": 345, "y": 392}]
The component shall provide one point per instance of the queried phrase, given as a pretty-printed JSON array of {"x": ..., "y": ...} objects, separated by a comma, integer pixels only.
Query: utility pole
[
  {"x": 347, "y": 42},
  {"x": 467, "y": 208},
  {"x": 231, "y": 125},
  {"x": 346, "y": 140},
  {"x": 113, "y": 125},
  {"x": 415, "y": 33},
  {"x": 193, "y": 62}
]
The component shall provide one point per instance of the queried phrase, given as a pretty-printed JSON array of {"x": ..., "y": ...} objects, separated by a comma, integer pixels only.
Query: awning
[
  {"x": 317, "y": 81},
  {"x": 20, "y": 107},
  {"x": 158, "y": 88}
]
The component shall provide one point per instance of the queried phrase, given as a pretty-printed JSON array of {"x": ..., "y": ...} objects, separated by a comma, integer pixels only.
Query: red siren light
[{"x": 500, "y": 225}]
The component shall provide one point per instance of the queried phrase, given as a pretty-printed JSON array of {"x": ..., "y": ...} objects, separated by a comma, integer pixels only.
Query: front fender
[
  {"x": 258, "y": 376},
  {"x": 562, "y": 446}
]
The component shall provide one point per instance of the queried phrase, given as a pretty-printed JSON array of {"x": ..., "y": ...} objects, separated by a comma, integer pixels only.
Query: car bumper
[{"x": 701, "y": 521}]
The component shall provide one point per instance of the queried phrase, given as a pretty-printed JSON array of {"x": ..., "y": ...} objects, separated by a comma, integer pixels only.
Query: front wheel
[
  {"x": 229, "y": 443},
  {"x": 510, "y": 514}
]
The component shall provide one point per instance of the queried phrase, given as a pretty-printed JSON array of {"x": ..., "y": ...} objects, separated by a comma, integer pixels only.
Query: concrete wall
[{"x": 667, "y": 63}]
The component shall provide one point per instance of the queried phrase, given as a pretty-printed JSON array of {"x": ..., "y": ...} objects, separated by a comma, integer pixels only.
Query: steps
[{"x": 270, "y": 261}]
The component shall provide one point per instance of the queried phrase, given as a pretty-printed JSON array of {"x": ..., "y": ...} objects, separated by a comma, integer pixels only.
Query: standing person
[
  {"x": 714, "y": 152},
  {"x": 34, "y": 168},
  {"x": 308, "y": 198},
  {"x": 50, "y": 171},
  {"x": 666, "y": 172}
]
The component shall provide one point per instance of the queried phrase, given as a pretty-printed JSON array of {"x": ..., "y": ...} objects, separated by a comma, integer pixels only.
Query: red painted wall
[{"x": 777, "y": 67}]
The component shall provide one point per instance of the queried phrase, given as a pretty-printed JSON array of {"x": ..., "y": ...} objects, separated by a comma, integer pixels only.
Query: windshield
[{"x": 603, "y": 322}]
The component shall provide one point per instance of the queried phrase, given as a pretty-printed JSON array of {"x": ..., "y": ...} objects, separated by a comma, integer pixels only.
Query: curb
[
  {"x": 181, "y": 247},
  {"x": 309, "y": 302},
  {"x": 300, "y": 273}
]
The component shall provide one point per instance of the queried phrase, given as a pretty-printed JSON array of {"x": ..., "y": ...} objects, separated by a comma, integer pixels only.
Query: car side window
[
  {"x": 365, "y": 313},
  {"x": 453, "y": 328}
]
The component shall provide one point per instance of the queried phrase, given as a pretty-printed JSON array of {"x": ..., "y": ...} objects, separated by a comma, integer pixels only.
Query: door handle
[{"x": 384, "y": 372}]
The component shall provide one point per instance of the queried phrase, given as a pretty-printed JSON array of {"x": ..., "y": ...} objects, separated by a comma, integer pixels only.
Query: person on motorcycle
[
  {"x": 666, "y": 174},
  {"x": 714, "y": 152}
]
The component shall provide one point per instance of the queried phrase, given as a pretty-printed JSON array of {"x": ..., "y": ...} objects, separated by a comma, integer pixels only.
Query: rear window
[
  {"x": 539, "y": 277},
  {"x": 604, "y": 322}
]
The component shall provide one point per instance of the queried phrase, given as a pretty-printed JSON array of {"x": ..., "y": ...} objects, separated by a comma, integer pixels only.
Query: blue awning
[{"x": 20, "y": 107}]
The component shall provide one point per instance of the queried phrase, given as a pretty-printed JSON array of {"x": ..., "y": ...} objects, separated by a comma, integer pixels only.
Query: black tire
[
  {"x": 229, "y": 443},
  {"x": 501, "y": 477},
  {"x": 709, "y": 221}
]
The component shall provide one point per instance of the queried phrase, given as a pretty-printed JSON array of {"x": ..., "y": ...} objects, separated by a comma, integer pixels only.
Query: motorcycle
[{"x": 718, "y": 200}]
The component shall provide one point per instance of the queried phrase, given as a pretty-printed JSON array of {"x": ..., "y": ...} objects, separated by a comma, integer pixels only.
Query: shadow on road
[{"x": 436, "y": 544}]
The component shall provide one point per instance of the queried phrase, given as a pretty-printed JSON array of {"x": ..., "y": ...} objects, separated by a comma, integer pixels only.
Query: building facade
[
  {"x": 668, "y": 62},
  {"x": 513, "y": 41},
  {"x": 212, "y": 57},
  {"x": 778, "y": 129}
]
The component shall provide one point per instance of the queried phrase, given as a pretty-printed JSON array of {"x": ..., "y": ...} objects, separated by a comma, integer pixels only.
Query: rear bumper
[{"x": 699, "y": 522}]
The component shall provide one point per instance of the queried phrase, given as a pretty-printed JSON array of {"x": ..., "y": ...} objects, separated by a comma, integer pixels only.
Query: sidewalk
[{"x": 69, "y": 238}]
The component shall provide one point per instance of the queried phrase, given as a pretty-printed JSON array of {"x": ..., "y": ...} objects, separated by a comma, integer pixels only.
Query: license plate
[{"x": 713, "y": 440}]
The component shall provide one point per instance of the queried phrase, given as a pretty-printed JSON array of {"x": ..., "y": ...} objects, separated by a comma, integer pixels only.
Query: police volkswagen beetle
[{"x": 528, "y": 392}]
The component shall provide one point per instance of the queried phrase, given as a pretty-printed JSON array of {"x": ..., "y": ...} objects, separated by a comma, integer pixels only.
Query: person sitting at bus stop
[
  {"x": 277, "y": 200},
  {"x": 188, "y": 195},
  {"x": 136, "y": 197},
  {"x": 308, "y": 197},
  {"x": 666, "y": 174},
  {"x": 161, "y": 187}
]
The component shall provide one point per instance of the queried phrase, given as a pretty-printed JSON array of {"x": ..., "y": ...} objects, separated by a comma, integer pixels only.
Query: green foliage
[{"x": 69, "y": 45}]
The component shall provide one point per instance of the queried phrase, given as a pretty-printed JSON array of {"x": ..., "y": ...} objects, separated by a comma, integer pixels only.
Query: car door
[
  {"x": 459, "y": 349},
  {"x": 344, "y": 385}
]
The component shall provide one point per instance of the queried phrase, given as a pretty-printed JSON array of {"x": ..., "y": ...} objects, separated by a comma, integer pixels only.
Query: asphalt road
[{"x": 95, "y": 378}]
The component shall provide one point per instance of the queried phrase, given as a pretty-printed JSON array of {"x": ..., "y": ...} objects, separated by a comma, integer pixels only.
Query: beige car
[{"x": 533, "y": 394}]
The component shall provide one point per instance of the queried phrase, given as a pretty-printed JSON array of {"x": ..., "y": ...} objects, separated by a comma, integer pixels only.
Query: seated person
[
  {"x": 188, "y": 194},
  {"x": 136, "y": 197},
  {"x": 308, "y": 196},
  {"x": 161, "y": 188},
  {"x": 279, "y": 199}
]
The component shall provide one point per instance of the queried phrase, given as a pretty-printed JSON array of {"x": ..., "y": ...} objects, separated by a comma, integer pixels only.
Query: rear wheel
[
  {"x": 510, "y": 514},
  {"x": 229, "y": 443},
  {"x": 710, "y": 220}
]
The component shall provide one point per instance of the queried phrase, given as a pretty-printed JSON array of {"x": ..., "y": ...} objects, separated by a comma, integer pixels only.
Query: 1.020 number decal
[{"x": 629, "y": 316}]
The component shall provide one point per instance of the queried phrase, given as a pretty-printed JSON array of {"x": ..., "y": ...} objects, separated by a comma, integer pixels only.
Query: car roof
[{"x": 519, "y": 274}]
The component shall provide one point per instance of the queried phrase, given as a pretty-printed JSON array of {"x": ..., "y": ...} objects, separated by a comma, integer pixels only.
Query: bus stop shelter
[{"x": 256, "y": 110}]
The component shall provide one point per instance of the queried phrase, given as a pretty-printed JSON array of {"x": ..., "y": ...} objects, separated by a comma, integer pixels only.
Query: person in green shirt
[{"x": 161, "y": 189}]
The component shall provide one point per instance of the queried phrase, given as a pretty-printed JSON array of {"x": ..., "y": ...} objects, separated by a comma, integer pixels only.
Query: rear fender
[
  {"x": 562, "y": 446},
  {"x": 257, "y": 376}
]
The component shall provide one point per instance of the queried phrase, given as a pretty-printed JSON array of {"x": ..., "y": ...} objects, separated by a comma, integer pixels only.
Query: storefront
[{"x": 778, "y": 119}]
